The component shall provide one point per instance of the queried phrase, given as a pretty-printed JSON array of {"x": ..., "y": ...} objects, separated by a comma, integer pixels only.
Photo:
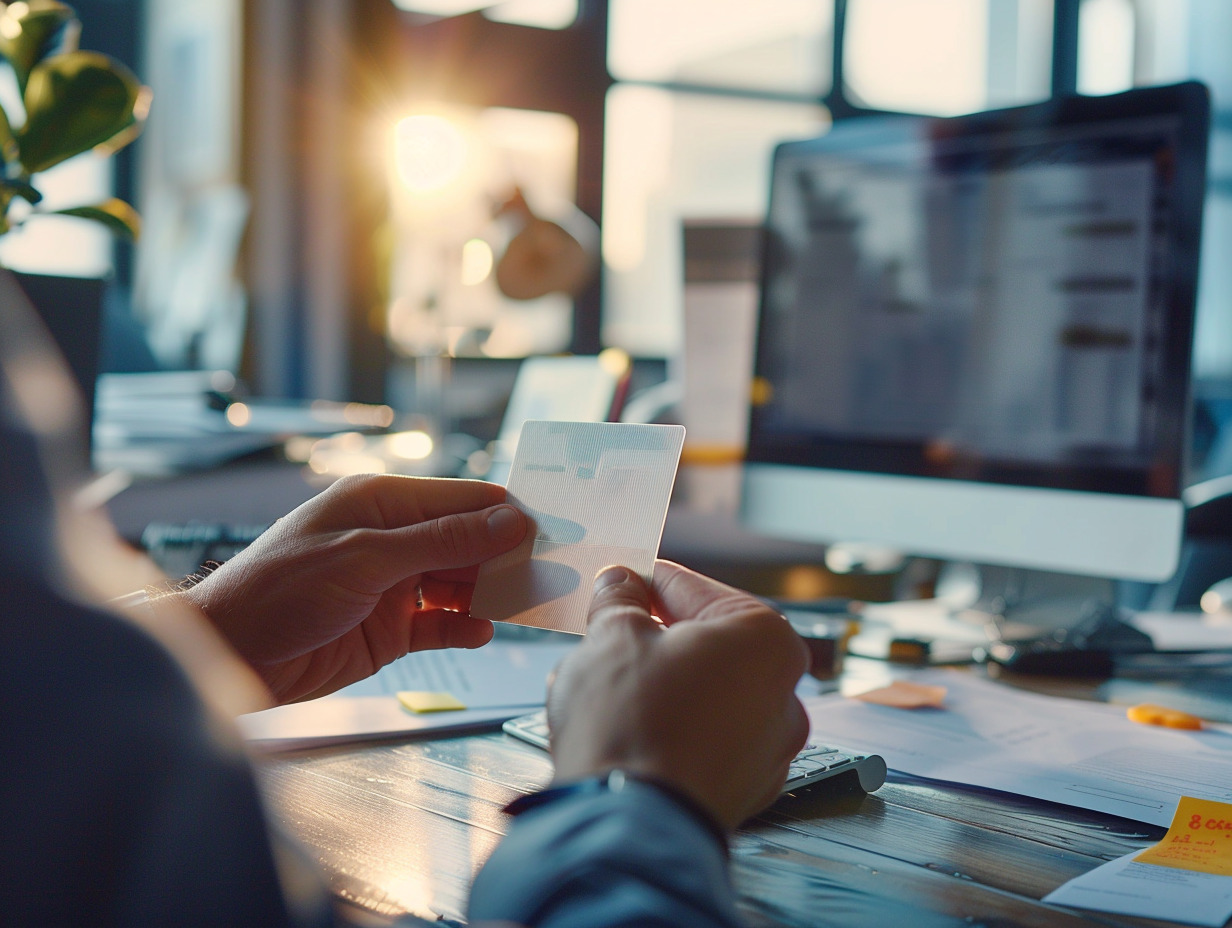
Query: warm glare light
[
  {"x": 239, "y": 415},
  {"x": 477, "y": 261},
  {"x": 429, "y": 151},
  {"x": 299, "y": 448},
  {"x": 478, "y": 463},
  {"x": 343, "y": 464},
  {"x": 614, "y": 361},
  {"x": 368, "y": 415},
  {"x": 441, "y": 7},
  {"x": 350, "y": 442},
  {"x": 410, "y": 446}
]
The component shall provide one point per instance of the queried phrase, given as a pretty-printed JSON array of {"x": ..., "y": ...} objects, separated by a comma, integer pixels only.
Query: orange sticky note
[
  {"x": 424, "y": 701},
  {"x": 902, "y": 694},
  {"x": 1148, "y": 713},
  {"x": 1200, "y": 839}
]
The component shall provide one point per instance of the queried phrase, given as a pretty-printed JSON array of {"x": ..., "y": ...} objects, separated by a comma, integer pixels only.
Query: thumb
[
  {"x": 621, "y": 599},
  {"x": 458, "y": 540}
]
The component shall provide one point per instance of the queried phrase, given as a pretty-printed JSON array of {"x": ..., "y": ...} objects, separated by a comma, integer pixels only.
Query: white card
[{"x": 596, "y": 494}]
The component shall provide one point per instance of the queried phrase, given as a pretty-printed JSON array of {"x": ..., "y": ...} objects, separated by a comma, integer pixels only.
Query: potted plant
[{"x": 72, "y": 101}]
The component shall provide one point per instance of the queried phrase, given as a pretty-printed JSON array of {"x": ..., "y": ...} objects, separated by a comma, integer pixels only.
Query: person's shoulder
[
  {"x": 80, "y": 682},
  {"x": 57, "y": 645}
]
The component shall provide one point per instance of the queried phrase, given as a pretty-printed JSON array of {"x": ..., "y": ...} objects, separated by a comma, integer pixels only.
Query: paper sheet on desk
[
  {"x": 1185, "y": 877},
  {"x": 1082, "y": 754},
  {"x": 496, "y": 682}
]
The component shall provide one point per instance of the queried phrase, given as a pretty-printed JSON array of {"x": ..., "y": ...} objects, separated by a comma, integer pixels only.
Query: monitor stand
[{"x": 1043, "y": 623}]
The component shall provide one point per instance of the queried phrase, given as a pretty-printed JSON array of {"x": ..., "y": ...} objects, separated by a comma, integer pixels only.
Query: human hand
[
  {"x": 370, "y": 569},
  {"x": 705, "y": 702}
]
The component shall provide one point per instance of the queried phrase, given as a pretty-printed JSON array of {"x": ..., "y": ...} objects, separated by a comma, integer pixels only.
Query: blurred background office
[{"x": 322, "y": 180}]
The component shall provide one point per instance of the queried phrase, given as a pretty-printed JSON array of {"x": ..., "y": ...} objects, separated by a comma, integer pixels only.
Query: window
[
  {"x": 542, "y": 14},
  {"x": 705, "y": 90},
  {"x": 782, "y": 46},
  {"x": 60, "y": 245},
  {"x": 1106, "y": 31},
  {"x": 672, "y": 157},
  {"x": 1123, "y": 43},
  {"x": 449, "y": 167},
  {"x": 947, "y": 57}
]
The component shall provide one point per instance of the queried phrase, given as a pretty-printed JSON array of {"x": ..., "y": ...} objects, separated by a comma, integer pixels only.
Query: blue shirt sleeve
[{"x": 633, "y": 857}]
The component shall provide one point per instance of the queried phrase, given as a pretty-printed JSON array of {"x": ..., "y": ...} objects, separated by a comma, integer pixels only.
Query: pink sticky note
[{"x": 902, "y": 694}]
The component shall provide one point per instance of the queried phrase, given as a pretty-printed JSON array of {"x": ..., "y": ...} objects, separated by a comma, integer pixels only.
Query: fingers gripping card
[{"x": 596, "y": 494}]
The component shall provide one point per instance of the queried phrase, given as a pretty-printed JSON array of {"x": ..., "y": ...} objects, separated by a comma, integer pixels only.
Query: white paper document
[
  {"x": 501, "y": 680},
  {"x": 596, "y": 494},
  {"x": 1127, "y": 887},
  {"x": 1185, "y": 631},
  {"x": 1079, "y": 753},
  {"x": 1185, "y": 877}
]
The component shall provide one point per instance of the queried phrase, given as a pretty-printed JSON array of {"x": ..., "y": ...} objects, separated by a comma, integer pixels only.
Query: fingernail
[
  {"x": 610, "y": 576},
  {"x": 505, "y": 523}
]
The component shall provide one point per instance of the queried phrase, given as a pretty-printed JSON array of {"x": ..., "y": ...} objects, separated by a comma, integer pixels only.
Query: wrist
[
  {"x": 617, "y": 780},
  {"x": 157, "y": 591}
]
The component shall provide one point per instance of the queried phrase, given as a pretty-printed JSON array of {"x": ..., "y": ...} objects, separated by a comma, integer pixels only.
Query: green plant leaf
[
  {"x": 19, "y": 188},
  {"x": 75, "y": 102},
  {"x": 9, "y": 152},
  {"x": 34, "y": 30},
  {"x": 115, "y": 214}
]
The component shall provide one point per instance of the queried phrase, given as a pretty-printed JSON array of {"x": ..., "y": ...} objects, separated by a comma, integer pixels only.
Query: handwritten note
[
  {"x": 1186, "y": 877},
  {"x": 1200, "y": 839}
]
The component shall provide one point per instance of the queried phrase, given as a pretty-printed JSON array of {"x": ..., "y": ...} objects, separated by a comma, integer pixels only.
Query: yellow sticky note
[
  {"x": 1150, "y": 714},
  {"x": 424, "y": 701},
  {"x": 1200, "y": 839}
]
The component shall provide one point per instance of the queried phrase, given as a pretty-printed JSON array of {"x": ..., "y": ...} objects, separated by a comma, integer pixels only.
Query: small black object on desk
[{"x": 1086, "y": 649}]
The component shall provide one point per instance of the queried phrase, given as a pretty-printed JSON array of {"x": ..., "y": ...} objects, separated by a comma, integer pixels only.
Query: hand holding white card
[{"x": 596, "y": 494}]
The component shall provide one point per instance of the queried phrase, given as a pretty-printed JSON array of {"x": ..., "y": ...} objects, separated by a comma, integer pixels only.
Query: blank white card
[{"x": 596, "y": 494}]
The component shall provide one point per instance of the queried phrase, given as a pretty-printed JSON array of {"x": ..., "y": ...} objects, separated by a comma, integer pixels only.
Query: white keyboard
[{"x": 838, "y": 768}]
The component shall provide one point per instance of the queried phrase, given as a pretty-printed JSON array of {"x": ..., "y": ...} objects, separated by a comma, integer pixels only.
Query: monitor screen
[{"x": 975, "y": 334}]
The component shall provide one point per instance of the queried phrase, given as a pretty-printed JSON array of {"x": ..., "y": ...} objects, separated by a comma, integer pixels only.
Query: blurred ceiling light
[
  {"x": 341, "y": 464},
  {"x": 429, "y": 152},
  {"x": 239, "y": 415},
  {"x": 411, "y": 446},
  {"x": 441, "y": 7},
  {"x": 477, "y": 261},
  {"x": 368, "y": 415},
  {"x": 478, "y": 463},
  {"x": 615, "y": 361},
  {"x": 299, "y": 448},
  {"x": 344, "y": 454}
]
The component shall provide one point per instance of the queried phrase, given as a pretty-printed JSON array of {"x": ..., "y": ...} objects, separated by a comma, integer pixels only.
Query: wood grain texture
[{"x": 404, "y": 826}]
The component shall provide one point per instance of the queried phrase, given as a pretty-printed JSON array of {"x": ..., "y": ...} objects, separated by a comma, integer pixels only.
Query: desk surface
[{"x": 404, "y": 826}]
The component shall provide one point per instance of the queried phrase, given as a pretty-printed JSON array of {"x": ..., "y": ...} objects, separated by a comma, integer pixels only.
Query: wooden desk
[{"x": 404, "y": 826}]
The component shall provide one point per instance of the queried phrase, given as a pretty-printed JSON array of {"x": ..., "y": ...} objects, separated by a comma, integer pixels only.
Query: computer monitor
[{"x": 975, "y": 334}]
